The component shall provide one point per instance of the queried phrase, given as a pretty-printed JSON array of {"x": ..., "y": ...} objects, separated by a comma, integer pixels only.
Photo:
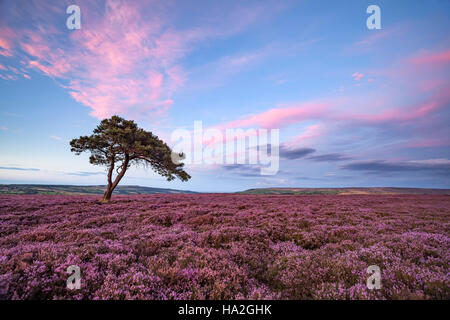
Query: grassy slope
[
  {"x": 126, "y": 190},
  {"x": 343, "y": 191},
  {"x": 79, "y": 190}
]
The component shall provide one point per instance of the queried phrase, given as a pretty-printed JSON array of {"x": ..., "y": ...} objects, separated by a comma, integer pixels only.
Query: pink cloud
[
  {"x": 357, "y": 76},
  {"x": 431, "y": 58},
  {"x": 427, "y": 143},
  {"x": 6, "y": 41},
  {"x": 125, "y": 59},
  {"x": 280, "y": 117},
  {"x": 8, "y": 77},
  {"x": 308, "y": 136},
  {"x": 424, "y": 96},
  {"x": 375, "y": 37},
  {"x": 406, "y": 113},
  {"x": 57, "y": 138}
]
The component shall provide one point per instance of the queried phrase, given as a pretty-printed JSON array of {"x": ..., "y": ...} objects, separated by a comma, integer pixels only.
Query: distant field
[
  {"x": 130, "y": 190},
  {"x": 80, "y": 190},
  {"x": 225, "y": 246},
  {"x": 346, "y": 191}
]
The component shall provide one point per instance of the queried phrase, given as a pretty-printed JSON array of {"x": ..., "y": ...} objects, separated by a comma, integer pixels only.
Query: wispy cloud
[
  {"x": 281, "y": 116},
  {"x": 85, "y": 173},
  {"x": 11, "y": 114},
  {"x": 294, "y": 153},
  {"x": 436, "y": 166},
  {"x": 57, "y": 138},
  {"x": 374, "y": 39},
  {"x": 217, "y": 72},
  {"x": 431, "y": 58},
  {"x": 20, "y": 169},
  {"x": 329, "y": 157},
  {"x": 357, "y": 76},
  {"x": 247, "y": 171},
  {"x": 244, "y": 170}
]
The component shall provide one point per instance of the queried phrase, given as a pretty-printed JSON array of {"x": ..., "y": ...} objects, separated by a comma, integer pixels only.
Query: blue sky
[{"x": 355, "y": 107}]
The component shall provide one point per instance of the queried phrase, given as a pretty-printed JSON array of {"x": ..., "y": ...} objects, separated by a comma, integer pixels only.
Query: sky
[{"x": 355, "y": 107}]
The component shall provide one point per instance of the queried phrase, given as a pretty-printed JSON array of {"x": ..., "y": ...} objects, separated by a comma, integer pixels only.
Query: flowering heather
[{"x": 223, "y": 246}]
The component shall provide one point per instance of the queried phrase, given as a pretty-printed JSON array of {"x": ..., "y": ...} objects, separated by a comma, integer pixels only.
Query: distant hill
[
  {"x": 128, "y": 190},
  {"x": 80, "y": 190},
  {"x": 345, "y": 191}
]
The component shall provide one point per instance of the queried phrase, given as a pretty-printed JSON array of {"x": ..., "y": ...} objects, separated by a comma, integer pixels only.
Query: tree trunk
[
  {"x": 112, "y": 185},
  {"x": 109, "y": 187},
  {"x": 107, "y": 195}
]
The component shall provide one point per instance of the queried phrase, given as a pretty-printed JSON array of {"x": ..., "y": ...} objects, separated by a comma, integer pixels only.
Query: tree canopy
[{"x": 118, "y": 143}]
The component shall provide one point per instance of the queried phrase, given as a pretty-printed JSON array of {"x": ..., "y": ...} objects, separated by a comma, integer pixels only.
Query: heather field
[{"x": 225, "y": 246}]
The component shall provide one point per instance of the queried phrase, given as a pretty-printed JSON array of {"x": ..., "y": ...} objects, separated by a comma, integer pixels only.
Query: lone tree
[{"x": 118, "y": 143}]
